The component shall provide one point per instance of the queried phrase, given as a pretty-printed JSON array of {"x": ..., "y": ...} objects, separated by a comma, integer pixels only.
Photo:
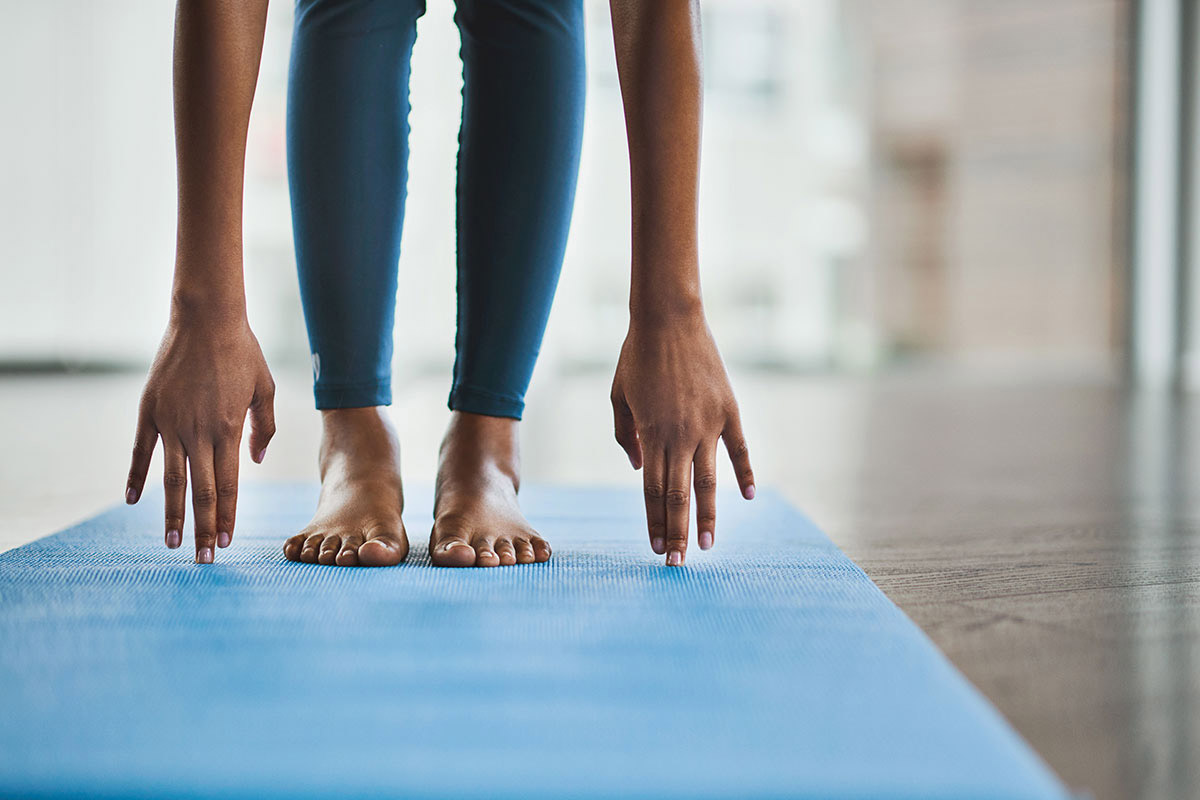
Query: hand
[
  {"x": 671, "y": 402},
  {"x": 206, "y": 376}
]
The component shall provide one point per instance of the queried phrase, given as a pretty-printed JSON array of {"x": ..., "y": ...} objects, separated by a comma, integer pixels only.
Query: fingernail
[
  {"x": 204, "y": 555},
  {"x": 632, "y": 463},
  {"x": 705, "y": 540},
  {"x": 131, "y": 495},
  {"x": 223, "y": 539},
  {"x": 658, "y": 545},
  {"x": 259, "y": 456},
  {"x": 172, "y": 539},
  {"x": 750, "y": 492},
  {"x": 674, "y": 558}
]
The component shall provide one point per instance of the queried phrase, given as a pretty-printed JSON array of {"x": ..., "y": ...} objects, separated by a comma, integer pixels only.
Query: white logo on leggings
[{"x": 316, "y": 366}]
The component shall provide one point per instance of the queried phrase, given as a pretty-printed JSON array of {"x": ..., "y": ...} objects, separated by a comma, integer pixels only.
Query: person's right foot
[{"x": 357, "y": 523}]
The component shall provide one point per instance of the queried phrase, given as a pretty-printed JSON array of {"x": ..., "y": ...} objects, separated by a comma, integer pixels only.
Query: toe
[
  {"x": 348, "y": 555},
  {"x": 292, "y": 547},
  {"x": 524, "y": 552},
  {"x": 541, "y": 548},
  {"x": 383, "y": 549},
  {"x": 505, "y": 552},
  {"x": 312, "y": 546},
  {"x": 329, "y": 549},
  {"x": 450, "y": 549},
  {"x": 485, "y": 554}
]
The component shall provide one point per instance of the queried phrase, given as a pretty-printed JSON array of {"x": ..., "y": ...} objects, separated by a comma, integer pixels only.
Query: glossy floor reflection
[{"x": 1045, "y": 534}]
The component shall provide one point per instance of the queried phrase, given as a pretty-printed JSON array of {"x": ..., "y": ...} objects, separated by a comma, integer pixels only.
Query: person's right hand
[{"x": 207, "y": 375}]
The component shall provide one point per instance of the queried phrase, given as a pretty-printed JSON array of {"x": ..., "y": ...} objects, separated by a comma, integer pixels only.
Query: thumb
[
  {"x": 262, "y": 419},
  {"x": 626, "y": 431}
]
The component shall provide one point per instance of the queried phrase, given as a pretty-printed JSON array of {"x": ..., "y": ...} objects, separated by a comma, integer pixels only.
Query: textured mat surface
[{"x": 768, "y": 667}]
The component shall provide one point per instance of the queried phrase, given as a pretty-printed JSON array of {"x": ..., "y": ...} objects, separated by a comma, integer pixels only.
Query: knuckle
[
  {"x": 174, "y": 480},
  {"x": 706, "y": 482},
  {"x": 740, "y": 449},
  {"x": 226, "y": 491},
  {"x": 228, "y": 428},
  {"x": 140, "y": 450},
  {"x": 204, "y": 496},
  {"x": 677, "y": 498},
  {"x": 655, "y": 490}
]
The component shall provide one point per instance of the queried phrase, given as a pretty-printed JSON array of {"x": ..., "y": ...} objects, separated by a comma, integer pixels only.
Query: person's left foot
[{"x": 477, "y": 520}]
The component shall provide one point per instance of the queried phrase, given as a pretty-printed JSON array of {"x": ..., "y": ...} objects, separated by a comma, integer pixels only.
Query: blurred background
[
  {"x": 948, "y": 250},
  {"x": 883, "y": 182}
]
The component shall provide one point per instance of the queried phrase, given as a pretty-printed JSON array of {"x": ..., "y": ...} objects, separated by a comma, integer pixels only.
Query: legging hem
[
  {"x": 353, "y": 395},
  {"x": 481, "y": 401}
]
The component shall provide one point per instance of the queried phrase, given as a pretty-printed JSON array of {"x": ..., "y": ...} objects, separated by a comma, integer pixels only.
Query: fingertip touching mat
[{"x": 770, "y": 666}]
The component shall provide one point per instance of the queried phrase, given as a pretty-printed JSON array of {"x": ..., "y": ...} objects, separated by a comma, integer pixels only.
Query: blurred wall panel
[
  {"x": 87, "y": 208},
  {"x": 999, "y": 139}
]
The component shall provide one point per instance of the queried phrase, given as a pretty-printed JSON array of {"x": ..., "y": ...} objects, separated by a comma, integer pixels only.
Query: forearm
[
  {"x": 218, "y": 47},
  {"x": 658, "y": 61}
]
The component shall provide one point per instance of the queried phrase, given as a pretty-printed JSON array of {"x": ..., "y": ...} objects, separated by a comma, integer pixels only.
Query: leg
[
  {"x": 347, "y": 168},
  {"x": 523, "y": 91}
]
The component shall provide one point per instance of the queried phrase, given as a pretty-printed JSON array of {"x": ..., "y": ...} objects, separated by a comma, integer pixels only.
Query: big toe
[
  {"x": 382, "y": 551},
  {"x": 451, "y": 552}
]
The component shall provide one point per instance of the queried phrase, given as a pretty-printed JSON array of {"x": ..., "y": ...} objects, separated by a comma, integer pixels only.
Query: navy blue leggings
[{"x": 518, "y": 158}]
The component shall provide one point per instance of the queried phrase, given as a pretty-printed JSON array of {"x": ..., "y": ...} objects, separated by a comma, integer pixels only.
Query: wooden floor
[{"x": 1045, "y": 535}]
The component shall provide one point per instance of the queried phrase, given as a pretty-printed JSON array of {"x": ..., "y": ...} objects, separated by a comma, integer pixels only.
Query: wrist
[
  {"x": 672, "y": 308},
  {"x": 191, "y": 306}
]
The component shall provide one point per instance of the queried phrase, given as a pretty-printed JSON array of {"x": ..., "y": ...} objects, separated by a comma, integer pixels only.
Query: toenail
[
  {"x": 706, "y": 540},
  {"x": 674, "y": 558}
]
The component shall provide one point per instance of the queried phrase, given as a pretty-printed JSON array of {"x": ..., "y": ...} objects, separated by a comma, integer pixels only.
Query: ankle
[
  {"x": 338, "y": 419},
  {"x": 491, "y": 440}
]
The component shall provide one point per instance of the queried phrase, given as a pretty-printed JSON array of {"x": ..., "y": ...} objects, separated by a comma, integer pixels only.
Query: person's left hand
[{"x": 671, "y": 402}]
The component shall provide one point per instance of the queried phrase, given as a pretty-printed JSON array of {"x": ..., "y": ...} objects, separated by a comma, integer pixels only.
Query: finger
[
  {"x": 226, "y": 465},
  {"x": 626, "y": 431},
  {"x": 143, "y": 448},
  {"x": 204, "y": 500},
  {"x": 704, "y": 478},
  {"x": 174, "y": 489},
  {"x": 262, "y": 419},
  {"x": 739, "y": 454},
  {"x": 654, "y": 486},
  {"x": 679, "y": 486}
]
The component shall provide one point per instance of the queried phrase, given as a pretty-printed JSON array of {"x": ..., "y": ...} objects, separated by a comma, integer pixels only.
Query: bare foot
[
  {"x": 357, "y": 523},
  {"x": 477, "y": 521}
]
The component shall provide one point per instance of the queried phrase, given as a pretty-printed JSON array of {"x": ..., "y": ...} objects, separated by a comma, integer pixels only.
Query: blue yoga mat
[{"x": 770, "y": 666}]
